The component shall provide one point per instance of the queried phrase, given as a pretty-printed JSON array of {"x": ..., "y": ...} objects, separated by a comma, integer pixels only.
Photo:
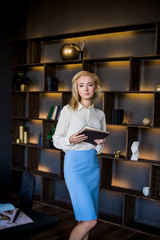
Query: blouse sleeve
[
  {"x": 100, "y": 147},
  {"x": 60, "y": 140}
]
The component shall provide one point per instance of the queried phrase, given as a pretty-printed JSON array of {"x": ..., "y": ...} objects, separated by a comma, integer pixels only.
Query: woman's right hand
[{"x": 76, "y": 138}]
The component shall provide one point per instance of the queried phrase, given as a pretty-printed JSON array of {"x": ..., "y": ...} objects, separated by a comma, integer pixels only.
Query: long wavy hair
[{"x": 74, "y": 102}]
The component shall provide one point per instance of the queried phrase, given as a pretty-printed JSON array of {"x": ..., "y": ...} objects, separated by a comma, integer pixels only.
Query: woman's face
[{"x": 86, "y": 87}]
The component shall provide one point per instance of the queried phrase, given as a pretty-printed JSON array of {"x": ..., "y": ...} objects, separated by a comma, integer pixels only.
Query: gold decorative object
[
  {"x": 146, "y": 121},
  {"x": 21, "y": 133},
  {"x": 18, "y": 140},
  {"x": 125, "y": 122},
  {"x": 23, "y": 87},
  {"x": 25, "y": 137},
  {"x": 21, "y": 82},
  {"x": 158, "y": 87},
  {"x": 117, "y": 154},
  {"x": 69, "y": 52}
]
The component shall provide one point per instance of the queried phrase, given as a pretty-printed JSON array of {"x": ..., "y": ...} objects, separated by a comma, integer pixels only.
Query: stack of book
[{"x": 54, "y": 113}]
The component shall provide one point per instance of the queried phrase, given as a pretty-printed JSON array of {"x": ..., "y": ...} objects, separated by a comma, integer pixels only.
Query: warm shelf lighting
[
  {"x": 51, "y": 95},
  {"x": 33, "y": 140},
  {"x": 120, "y": 183},
  {"x": 77, "y": 66},
  {"x": 116, "y": 64},
  {"x": 116, "y": 128},
  {"x": 101, "y": 36},
  {"x": 37, "y": 122},
  {"x": 43, "y": 168}
]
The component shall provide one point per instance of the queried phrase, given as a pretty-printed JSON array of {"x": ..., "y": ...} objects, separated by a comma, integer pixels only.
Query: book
[
  {"x": 50, "y": 113},
  {"x": 93, "y": 134},
  {"x": 6, "y": 207},
  {"x": 58, "y": 112},
  {"x": 52, "y": 83},
  {"x": 53, "y": 117},
  {"x": 12, "y": 218}
]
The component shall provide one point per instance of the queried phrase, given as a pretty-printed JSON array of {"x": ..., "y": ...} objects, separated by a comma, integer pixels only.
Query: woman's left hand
[{"x": 99, "y": 141}]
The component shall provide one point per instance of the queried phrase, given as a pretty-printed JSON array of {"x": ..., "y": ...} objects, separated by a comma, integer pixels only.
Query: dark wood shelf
[
  {"x": 131, "y": 192},
  {"x": 125, "y": 28},
  {"x": 89, "y": 60},
  {"x": 144, "y": 228},
  {"x": 123, "y": 158},
  {"x": 45, "y": 174},
  {"x": 110, "y": 218}
]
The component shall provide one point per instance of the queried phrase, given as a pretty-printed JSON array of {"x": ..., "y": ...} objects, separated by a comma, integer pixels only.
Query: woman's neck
[{"x": 86, "y": 103}]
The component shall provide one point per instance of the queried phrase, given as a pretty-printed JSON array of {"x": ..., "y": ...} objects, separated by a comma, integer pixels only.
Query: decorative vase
[
  {"x": 25, "y": 137},
  {"x": 23, "y": 87},
  {"x": 69, "y": 52},
  {"x": 135, "y": 152},
  {"x": 21, "y": 134}
]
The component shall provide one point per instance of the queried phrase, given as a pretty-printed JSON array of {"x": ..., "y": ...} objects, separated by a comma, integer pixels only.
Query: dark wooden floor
[{"x": 66, "y": 222}]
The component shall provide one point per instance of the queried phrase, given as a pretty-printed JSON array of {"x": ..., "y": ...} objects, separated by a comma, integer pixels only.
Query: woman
[{"x": 81, "y": 166}]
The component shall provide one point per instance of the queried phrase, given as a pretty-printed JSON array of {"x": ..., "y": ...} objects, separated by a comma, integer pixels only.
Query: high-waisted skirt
[{"x": 81, "y": 172}]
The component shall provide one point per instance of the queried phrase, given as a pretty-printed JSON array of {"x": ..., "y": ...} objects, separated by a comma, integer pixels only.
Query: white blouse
[{"x": 71, "y": 122}]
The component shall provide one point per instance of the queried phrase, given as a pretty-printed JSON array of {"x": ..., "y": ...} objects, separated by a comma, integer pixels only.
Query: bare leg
[
  {"x": 81, "y": 231},
  {"x": 86, "y": 237}
]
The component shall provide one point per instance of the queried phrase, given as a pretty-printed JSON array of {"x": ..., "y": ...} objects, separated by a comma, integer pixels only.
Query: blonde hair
[{"x": 74, "y": 102}]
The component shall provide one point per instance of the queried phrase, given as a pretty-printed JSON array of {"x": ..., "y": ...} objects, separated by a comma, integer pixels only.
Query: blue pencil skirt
[{"x": 81, "y": 172}]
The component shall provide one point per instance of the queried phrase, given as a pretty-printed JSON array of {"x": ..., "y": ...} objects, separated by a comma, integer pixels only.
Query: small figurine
[
  {"x": 117, "y": 154},
  {"x": 146, "y": 121},
  {"x": 125, "y": 122},
  {"x": 135, "y": 151}
]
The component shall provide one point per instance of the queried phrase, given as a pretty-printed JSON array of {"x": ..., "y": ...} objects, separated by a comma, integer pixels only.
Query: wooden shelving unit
[{"x": 26, "y": 108}]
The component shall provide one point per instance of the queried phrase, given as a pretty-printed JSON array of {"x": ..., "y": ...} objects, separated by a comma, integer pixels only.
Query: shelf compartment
[
  {"x": 137, "y": 215},
  {"x": 132, "y": 103},
  {"x": 148, "y": 139},
  {"x": 118, "y": 176},
  {"x": 116, "y": 140},
  {"x": 15, "y": 128},
  {"x": 33, "y": 157},
  {"x": 49, "y": 161},
  {"x": 34, "y": 129},
  {"x": 33, "y": 105},
  {"x": 107, "y": 211},
  {"x": 19, "y": 105},
  {"x": 47, "y": 100},
  {"x": 65, "y": 73},
  {"x": 111, "y": 71},
  {"x": 50, "y": 194},
  {"x": 19, "y": 157}
]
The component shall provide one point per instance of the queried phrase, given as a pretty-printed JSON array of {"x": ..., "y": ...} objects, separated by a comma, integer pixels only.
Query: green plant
[
  {"x": 20, "y": 79},
  {"x": 51, "y": 133}
]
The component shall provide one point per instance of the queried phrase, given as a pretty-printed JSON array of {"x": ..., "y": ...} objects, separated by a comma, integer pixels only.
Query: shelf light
[
  {"x": 120, "y": 183},
  {"x": 43, "y": 168},
  {"x": 124, "y": 34},
  {"x": 51, "y": 95}
]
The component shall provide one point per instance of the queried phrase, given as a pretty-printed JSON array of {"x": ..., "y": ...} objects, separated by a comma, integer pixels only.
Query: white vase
[{"x": 135, "y": 152}]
